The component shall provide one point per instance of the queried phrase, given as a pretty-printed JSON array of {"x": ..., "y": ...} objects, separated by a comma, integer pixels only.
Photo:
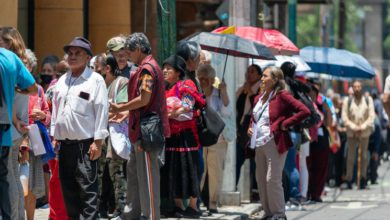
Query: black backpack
[{"x": 314, "y": 117}]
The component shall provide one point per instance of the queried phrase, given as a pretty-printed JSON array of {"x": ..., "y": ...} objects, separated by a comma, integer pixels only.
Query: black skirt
[{"x": 179, "y": 175}]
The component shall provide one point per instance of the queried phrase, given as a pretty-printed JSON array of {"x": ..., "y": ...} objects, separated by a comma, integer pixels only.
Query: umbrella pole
[{"x": 224, "y": 67}]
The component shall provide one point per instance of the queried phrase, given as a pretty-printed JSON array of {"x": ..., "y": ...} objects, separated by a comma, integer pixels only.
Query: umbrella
[
  {"x": 231, "y": 45},
  {"x": 280, "y": 59},
  {"x": 337, "y": 62},
  {"x": 277, "y": 42}
]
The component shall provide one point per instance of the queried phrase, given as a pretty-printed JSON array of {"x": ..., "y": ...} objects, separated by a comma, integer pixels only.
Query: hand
[
  {"x": 283, "y": 128},
  {"x": 250, "y": 132},
  {"x": 38, "y": 115},
  {"x": 56, "y": 146},
  {"x": 172, "y": 114},
  {"x": 115, "y": 108},
  {"x": 222, "y": 86},
  {"x": 20, "y": 126},
  {"x": 24, "y": 157},
  {"x": 119, "y": 117},
  {"x": 95, "y": 150}
]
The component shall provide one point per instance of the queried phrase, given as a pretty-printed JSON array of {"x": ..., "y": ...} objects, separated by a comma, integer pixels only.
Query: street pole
[
  {"x": 166, "y": 25},
  {"x": 292, "y": 20},
  {"x": 342, "y": 19}
]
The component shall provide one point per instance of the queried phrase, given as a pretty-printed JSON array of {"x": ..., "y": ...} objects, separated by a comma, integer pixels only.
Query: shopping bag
[{"x": 36, "y": 142}]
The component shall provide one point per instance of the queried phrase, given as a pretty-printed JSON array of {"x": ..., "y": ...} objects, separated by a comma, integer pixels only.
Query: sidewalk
[{"x": 245, "y": 211}]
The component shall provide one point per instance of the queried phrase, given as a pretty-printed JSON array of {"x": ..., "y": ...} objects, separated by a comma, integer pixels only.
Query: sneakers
[
  {"x": 192, "y": 213},
  {"x": 179, "y": 213}
]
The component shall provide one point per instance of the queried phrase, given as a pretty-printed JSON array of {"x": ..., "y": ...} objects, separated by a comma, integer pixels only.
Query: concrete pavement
[{"x": 339, "y": 204}]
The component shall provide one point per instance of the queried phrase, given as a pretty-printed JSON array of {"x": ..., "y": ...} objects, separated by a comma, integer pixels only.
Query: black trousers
[
  {"x": 5, "y": 204},
  {"x": 78, "y": 177}
]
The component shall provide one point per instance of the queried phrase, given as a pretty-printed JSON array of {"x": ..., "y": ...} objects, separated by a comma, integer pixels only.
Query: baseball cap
[{"x": 116, "y": 43}]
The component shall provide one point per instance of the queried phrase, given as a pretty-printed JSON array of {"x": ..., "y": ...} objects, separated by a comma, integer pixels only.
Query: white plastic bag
[
  {"x": 120, "y": 141},
  {"x": 36, "y": 140},
  {"x": 24, "y": 175}
]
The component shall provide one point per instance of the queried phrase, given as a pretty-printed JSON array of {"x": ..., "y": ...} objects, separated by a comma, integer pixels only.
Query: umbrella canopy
[
  {"x": 231, "y": 45},
  {"x": 337, "y": 62},
  {"x": 277, "y": 42},
  {"x": 280, "y": 59}
]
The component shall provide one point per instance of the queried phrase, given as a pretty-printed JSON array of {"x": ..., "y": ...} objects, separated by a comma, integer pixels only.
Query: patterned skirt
[{"x": 179, "y": 175}]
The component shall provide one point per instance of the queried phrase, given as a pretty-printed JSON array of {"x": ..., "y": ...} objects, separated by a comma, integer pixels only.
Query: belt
[{"x": 69, "y": 142}]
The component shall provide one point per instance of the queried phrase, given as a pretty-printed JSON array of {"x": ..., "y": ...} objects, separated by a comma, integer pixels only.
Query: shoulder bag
[
  {"x": 210, "y": 126},
  {"x": 152, "y": 135}
]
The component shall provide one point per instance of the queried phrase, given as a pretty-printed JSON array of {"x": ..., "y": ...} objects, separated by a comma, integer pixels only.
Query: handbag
[
  {"x": 120, "y": 141},
  {"x": 152, "y": 138},
  {"x": 152, "y": 135},
  {"x": 210, "y": 126}
]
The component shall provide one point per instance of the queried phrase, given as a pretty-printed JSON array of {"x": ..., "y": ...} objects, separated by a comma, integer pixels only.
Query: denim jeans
[{"x": 291, "y": 166}]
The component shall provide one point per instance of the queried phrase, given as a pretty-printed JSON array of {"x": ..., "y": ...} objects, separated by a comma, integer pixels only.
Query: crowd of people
[{"x": 91, "y": 112}]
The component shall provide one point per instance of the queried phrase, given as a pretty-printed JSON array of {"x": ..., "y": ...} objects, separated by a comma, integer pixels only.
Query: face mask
[{"x": 46, "y": 79}]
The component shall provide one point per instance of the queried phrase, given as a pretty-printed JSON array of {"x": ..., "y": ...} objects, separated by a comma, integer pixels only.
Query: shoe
[
  {"x": 179, "y": 213},
  {"x": 278, "y": 217},
  {"x": 349, "y": 185},
  {"x": 363, "y": 183},
  {"x": 319, "y": 200},
  {"x": 213, "y": 211},
  {"x": 192, "y": 213},
  {"x": 114, "y": 215},
  {"x": 41, "y": 202}
]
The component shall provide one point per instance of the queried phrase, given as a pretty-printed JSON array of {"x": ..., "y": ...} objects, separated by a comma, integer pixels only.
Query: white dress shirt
[
  {"x": 80, "y": 107},
  {"x": 261, "y": 126}
]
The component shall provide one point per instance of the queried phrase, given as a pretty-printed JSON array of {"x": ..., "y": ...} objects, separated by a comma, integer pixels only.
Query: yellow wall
[
  {"x": 9, "y": 13},
  {"x": 56, "y": 24},
  {"x": 107, "y": 19}
]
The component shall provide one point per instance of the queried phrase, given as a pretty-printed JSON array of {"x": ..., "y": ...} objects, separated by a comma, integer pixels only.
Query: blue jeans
[{"x": 291, "y": 167}]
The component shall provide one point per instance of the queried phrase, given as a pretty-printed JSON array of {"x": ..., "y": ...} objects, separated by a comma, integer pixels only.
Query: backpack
[{"x": 314, "y": 117}]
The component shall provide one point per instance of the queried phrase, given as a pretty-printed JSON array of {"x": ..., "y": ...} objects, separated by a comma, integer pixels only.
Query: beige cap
[{"x": 116, "y": 43}]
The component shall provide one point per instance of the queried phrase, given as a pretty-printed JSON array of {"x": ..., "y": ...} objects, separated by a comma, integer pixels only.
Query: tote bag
[{"x": 120, "y": 141}]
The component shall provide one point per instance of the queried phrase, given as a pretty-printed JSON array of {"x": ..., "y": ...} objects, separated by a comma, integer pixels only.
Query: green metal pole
[
  {"x": 292, "y": 20},
  {"x": 166, "y": 23}
]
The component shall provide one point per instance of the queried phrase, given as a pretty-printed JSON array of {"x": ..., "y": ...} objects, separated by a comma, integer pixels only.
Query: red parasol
[{"x": 277, "y": 42}]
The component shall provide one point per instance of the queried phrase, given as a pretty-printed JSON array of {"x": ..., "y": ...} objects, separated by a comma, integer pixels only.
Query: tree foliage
[{"x": 309, "y": 25}]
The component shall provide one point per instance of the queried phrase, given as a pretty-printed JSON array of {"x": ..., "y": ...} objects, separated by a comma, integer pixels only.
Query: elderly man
[
  {"x": 358, "y": 115},
  {"x": 146, "y": 94},
  {"x": 79, "y": 126},
  {"x": 12, "y": 73},
  {"x": 116, "y": 46}
]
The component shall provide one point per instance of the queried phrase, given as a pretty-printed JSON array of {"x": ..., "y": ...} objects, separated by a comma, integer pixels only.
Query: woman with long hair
[{"x": 275, "y": 110}]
